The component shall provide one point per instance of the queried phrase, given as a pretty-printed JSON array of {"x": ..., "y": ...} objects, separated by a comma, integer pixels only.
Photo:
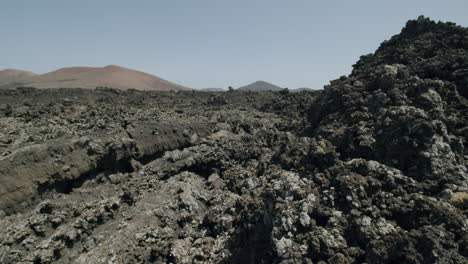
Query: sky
[{"x": 209, "y": 43}]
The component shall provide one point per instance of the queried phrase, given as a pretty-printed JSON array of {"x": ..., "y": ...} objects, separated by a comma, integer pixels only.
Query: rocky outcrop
[
  {"x": 31, "y": 171},
  {"x": 391, "y": 144}
]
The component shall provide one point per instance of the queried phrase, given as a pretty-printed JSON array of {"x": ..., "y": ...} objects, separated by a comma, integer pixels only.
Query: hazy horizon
[{"x": 206, "y": 44}]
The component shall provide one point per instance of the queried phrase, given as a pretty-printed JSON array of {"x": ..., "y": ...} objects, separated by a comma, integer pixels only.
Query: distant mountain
[
  {"x": 15, "y": 76},
  {"x": 302, "y": 89},
  {"x": 92, "y": 77},
  {"x": 213, "y": 90},
  {"x": 260, "y": 86}
]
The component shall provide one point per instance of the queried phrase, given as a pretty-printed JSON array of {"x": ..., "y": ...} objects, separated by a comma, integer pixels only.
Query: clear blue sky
[{"x": 209, "y": 43}]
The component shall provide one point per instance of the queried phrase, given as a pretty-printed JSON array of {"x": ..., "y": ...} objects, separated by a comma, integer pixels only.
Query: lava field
[{"x": 372, "y": 169}]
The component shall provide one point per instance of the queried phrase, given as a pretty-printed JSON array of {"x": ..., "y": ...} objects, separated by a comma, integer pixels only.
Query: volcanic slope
[
  {"x": 260, "y": 86},
  {"x": 92, "y": 77},
  {"x": 12, "y": 76}
]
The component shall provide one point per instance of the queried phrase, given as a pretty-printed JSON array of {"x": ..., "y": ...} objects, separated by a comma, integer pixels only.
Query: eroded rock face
[{"x": 370, "y": 170}]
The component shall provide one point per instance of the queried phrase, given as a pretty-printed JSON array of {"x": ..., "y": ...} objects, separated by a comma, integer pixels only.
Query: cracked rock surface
[{"x": 370, "y": 170}]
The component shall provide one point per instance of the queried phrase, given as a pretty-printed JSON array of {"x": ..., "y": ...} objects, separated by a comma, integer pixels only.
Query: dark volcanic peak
[
  {"x": 261, "y": 86},
  {"x": 416, "y": 75},
  {"x": 399, "y": 122},
  {"x": 432, "y": 50}
]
